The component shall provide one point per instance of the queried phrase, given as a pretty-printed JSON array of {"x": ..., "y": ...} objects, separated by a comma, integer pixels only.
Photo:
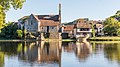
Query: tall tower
[{"x": 60, "y": 13}]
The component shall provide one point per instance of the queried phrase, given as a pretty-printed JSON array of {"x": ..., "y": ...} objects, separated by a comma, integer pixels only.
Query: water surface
[{"x": 59, "y": 54}]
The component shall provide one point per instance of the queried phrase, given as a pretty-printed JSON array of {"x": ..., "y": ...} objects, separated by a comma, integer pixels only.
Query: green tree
[
  {"x": 93, "y": 30},
  {"x": 117, "y": 15},
  {"x": 9, "y": 31},
  {"x": 112, "y": 26},
  {"x": 19, "y": 33},
  {"x": 5, "y": 5}
]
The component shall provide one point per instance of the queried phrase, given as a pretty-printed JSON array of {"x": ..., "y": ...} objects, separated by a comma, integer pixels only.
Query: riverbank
[
  {"x": 105, "y": 39},
  {"x": 102, "y": 39},
  {"x": 29, "y": 40},
  {"x": 105, "y": 42}
]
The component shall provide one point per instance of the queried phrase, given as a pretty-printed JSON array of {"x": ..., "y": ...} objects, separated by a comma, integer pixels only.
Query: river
[{"x": 59, "y": 54}]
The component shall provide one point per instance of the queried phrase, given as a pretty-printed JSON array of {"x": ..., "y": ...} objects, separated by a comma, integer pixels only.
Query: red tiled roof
[
  {"x": 48, "y": 23},
  {"x": 83, "y": 25},
  {"x": 69, "y": 27},
  {"x": 47, "y": 20}
]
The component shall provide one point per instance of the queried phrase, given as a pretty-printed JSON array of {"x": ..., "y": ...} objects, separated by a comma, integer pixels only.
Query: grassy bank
[{"x": 105, "y": 39}]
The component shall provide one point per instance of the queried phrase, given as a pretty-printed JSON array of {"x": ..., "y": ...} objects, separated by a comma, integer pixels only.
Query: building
[
  {"x": 68, "y": 29},
  {"x": 82, "y": 29},
  {"x": 98, "y": 26},
  {"x": 99, "y": 29},
  {"x": 41, "y": 23}
]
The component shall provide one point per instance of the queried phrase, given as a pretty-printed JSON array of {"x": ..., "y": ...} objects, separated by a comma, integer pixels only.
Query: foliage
[
  {"x": 93, "y": 30},
  {"x": 5, "y": 5},
  {"x": 19, "y": 33},
  {"x": 9, "y": 31},
  {"x": 112, "y": 25},
  {"x": 117, "y": 15}
]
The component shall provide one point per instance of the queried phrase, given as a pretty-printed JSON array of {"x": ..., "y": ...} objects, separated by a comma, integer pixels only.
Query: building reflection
[
  {"x": 42, "y": 52},
  {"x": 69, "y": 46},
  {"x": 97, "y": 47},
  {"x": 83, "y": 51}
]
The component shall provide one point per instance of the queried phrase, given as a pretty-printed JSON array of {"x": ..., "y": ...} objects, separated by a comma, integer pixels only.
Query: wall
[{"x": 32, "y": 24}]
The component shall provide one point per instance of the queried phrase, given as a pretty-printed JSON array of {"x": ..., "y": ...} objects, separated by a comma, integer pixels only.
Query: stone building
[{"x": 41, "y": 23}]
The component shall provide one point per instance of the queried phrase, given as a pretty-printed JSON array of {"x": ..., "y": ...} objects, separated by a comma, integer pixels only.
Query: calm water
[{"x": 59, "y": 54}]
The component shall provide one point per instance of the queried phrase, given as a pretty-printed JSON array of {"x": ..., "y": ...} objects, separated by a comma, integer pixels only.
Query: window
[
  {"x": 52, "y": 27},
  {"x": 31, "y": 22},
  {"x": 84, "y": 29}
]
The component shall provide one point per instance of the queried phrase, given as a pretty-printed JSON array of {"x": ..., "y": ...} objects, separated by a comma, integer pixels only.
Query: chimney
[{"x": 60, "y": 13}]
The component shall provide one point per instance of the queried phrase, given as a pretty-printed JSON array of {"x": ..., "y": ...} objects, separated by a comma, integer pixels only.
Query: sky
[{"x": 71, "y": 9}]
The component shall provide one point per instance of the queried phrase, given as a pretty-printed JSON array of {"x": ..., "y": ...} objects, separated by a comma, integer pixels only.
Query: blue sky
[{"x": 71, "y": 9}]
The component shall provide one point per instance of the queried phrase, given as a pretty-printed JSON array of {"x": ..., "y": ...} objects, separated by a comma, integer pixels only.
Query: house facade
[
  {"x": 68, "y": 29},
  {"x": 98, "y": 26},
  {"x": 99, "y": 29},
  {"x": 79, "y": 28},
  {"x": 82, "y": 29}
]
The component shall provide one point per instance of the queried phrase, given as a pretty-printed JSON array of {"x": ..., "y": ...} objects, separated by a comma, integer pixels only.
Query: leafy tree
[
  {"x": 5, "y": 5},
  {"x": 9, "y": 31},
  {"x": 117, "y": 15},
  {"x": 19, "y": 33},
  {"x": 112, "y": 26}
]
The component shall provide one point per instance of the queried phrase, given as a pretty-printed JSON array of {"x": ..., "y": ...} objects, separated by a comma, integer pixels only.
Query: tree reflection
[
  {"x": 9, "y": 49},
  {"x": 1, "y": 59},
  {"x": 112, "y": 52}
]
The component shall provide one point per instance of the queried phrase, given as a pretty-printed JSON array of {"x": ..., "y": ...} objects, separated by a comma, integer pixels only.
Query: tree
[
  {"x": 19, "y": 33},
  {"x": 117, "y": 15},
  {"x": 112, "y": 26},
  {"x": 93, "y": 30},
  {"x": 9, "y": 31},
  {"x": 5, "y": 5}
]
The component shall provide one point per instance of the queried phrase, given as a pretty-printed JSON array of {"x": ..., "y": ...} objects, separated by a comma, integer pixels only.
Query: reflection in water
[
  {"x": 1, "y": 59},
  {"x": 112, "y": 52},
  {"x": 9, "y": 49},
  {"x": 51, "y": 53},
  {"x": 83, "y": 50},
  {"x": 41, "y": 52},
  {"x": 69, "y": 46}
]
